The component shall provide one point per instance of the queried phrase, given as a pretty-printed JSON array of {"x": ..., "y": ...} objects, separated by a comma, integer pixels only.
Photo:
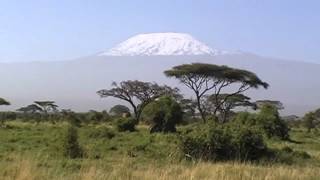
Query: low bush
[
  {"x": 287, "y": 155},
  {"x": 267, "y": 121},
  {"x": 163, "y": 115},
  {"x": 215, "y": 142},
  {"x": 125, "y": 124},
  {"x": 102, "y": 132}
]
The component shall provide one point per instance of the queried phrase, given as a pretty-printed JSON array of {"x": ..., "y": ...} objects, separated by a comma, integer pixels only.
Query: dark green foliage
[
  {"x": 7, "y": 116},
  {"x": 163, "y": 114},
  {"x": 97, "y": 117},
  {"x": 188, "y": 107},
  {"x": 245, "y": 118},
  {"x": 71, "y": 147},
  {"x": 287, "y": 155},
  {"x": 119, "y": 110},
  {"x": 125, "y": 124},
  {"x": 310, "y": 120},
  {"x": 138, "y": 94},
  {"x": 269, "y": 120},
  {"x": 215, "y": 142},
  {"x": 206, "y": 143},
  {"x": 71, "y": 117}
]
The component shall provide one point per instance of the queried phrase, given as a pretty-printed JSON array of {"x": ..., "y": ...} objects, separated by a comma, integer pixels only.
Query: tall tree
[
  {"x": 137, "y": 93},
  {"x": 47, "y": 106},
  {"x": 203, "y": 78}
]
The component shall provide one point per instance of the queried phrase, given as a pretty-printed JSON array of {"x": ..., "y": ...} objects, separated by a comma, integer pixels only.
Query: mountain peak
[{"x": 161, "y": 44}]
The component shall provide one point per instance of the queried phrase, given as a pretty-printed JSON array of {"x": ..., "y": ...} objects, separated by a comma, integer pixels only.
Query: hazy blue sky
[{"x": 64, "y": 29}]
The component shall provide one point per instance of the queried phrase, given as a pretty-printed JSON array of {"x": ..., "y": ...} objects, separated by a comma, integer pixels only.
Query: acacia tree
[
  {"x": 203, "y": 78},
  {"x": 237, "y": 100},
  {"x": 32, "y": 108},
  {"x": 47, "y": 106},
  {"x": 137, "y": 93}
]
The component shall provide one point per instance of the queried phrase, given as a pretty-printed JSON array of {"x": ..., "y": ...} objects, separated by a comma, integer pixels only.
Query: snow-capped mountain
[{"x": 161, "y": 44}]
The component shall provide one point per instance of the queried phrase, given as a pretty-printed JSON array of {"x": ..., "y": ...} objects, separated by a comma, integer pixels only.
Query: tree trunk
[{"x": 200, "y": 109}]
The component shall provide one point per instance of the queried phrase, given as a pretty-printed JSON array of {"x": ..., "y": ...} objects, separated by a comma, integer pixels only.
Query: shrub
[
  {"x": 269, "y": 120},
  {"x": 310, "y": 121},
  {"x": 215, "y": 142},
  {"x": 102, "y": 132},
  {"x": 7, "y": 116},
  {"x": 206, "y": 142},
  {"x": 288, "y": 156},
  {"x": 71, "y": 147},
  {"x": 163, "y": 114},
  {"x": 97, "y": 117},
  {"x": 125, "y": 124},
  {"x": 71, "y": 117},
  {"x": 247, "y": 143}
]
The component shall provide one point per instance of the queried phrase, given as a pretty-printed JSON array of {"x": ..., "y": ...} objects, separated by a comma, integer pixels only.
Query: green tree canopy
[
  {"x": 47, "y": 106},
  {"x": 32, "y": 108},
  {"x": 137, "y": 93},
  {"x": 202, "y": 78},
  {"x": 163, "y": 114},
  {"x": 311, "y": 120},
  {"x": 269, "y": 120},
  {"x": 119, "y": 110}
]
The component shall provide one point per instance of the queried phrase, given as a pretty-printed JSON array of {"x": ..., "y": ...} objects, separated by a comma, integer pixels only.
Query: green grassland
[{"x": 31, "y": 151}]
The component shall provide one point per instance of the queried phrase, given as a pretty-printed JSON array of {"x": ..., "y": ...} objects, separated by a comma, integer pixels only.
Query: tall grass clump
[{"x": 71, "y": 147}]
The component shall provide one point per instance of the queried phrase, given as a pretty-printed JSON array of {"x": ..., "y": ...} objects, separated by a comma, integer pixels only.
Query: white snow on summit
[{"x": 166, "y": 44}]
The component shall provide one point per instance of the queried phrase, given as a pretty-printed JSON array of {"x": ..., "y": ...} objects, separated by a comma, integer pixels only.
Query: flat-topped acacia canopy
[
  {"x": 217, "y": 72},
  {"x": 203, "y": 78}
]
